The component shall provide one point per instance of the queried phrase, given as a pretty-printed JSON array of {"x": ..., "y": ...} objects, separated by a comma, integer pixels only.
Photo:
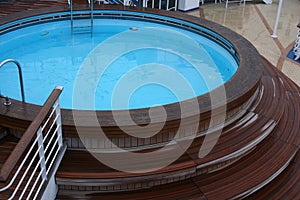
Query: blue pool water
[{"x": 115, "y": 66}]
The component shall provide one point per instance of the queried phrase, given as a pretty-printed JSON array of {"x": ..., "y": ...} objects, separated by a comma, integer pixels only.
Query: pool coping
[{"x": 239, "y": 88}]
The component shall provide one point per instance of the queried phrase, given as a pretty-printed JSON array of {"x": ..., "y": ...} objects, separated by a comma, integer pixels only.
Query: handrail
[
  {"x": 91, "y": 5},
  {"x": 20, "y": 74},
  {"x": 28, "y": 136}
]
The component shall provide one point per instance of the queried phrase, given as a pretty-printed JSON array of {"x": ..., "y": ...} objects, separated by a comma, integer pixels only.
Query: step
[
  {"x": 7, "y": 144},
  {"x": 235, "y": 141},
  {"x": 82, "y": 29},
  {"x": 184, "y": 190},
  {"x": 232, "y": 145},
  {"x": 250, "y": 173},
  {"x": 259, "y": 165},
  {"x": 240, "y": 179},
  {"x": 285, "y": 186},
  {"x": 3, "y": 132}
]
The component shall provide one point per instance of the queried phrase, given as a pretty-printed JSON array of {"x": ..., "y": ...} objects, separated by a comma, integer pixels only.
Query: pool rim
[{"x": 239, "y": 89}]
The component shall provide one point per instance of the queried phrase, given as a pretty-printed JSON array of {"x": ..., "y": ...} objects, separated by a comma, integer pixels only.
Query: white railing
[
  {"x": 159, "y": 4},
  {"x": 296, "y": 48},
  {"x": 45, "y": 143}
]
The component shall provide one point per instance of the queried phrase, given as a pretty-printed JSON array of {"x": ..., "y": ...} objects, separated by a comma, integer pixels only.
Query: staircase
[
  {"x": 256, "y": 157},
  {"x": 28, "y": 163}
]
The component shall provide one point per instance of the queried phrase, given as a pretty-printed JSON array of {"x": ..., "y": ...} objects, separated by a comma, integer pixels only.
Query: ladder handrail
[
  {"x": 70, "y": 2},
  {"x": 20, "y": 74},
  {"x": 91, "y": 2},
  {"x": 91, "y": 5}
]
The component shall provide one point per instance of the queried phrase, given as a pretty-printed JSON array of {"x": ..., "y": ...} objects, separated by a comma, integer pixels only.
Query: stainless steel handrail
[
  {"x": 91, "y": 5},
  {"x": 71, "y": 11},
  {"x": 20, "y": 74}
]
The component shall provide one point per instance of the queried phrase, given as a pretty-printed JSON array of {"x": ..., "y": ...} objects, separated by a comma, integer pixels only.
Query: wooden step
[
  {"x": 250, "y": 173},
  {"x": 182, "y": 190},
  {"x": 239, "y": 179},
  {"x": 285, "y": 186},
  {"x": 7, "y": 144},
  {"x": 3, "y": 132},
  {"x": 272, "y": 157},
  {"x": 231, "y": 146},
  {"x": 262, "y": 163},
  {"x": 236, "y": 141}
]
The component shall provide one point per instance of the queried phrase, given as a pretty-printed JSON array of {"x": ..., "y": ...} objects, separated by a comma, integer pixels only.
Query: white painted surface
[
  {"x": 52, "y": 188},
  {"x": 185, "y": 5}
]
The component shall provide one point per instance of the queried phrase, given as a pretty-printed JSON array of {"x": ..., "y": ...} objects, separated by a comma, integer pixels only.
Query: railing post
[
  {"x": 58, "y": 124},
  {"x": 41, "y": 153},
  {"x": 145, "y": 3},
  {"x": 126, "y": 3},
  {"x": 274, "y": 35},
  {"x": 167, "y": 6}
]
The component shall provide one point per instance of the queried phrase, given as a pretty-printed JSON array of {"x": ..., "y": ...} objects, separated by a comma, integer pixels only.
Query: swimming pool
[
  {"x": 123, "y": 58},
  {"x": 157, "y": 125}
]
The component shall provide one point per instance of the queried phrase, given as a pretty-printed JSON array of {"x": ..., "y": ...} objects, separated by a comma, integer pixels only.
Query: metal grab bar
[
  {"x": 20, "y": 74},
  {"x": 91, "y": 5}
]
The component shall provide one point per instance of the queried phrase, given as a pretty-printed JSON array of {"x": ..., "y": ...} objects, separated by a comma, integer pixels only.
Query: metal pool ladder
[
  {"x": 20, "y": 74},
  {"x": 82, "y": 29}
]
